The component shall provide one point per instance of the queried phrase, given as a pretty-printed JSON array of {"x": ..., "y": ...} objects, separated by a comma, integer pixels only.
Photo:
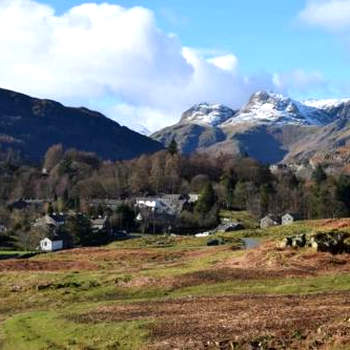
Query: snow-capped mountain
[
  {"x": 266, "y": 108},
  {"x": 269, "y": 127},
  {"x": 270, "y": 108},
  {"x": 139, "y": 128},
  {"x": 207, "y": 114},
  {"x": 326, "y": 104}
]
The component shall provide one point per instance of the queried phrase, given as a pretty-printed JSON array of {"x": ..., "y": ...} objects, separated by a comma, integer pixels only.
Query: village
[{"x": 111, "y": 219}]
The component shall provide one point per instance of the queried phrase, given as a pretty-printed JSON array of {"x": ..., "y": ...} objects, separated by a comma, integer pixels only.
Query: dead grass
[
  {"x": 289, "y": 262},
  {"x": 45, "y": 265},
  {"x": 334, "y": 224},
  {"x": 191, "y": 297},
  {"x": 290, "y": 322}
]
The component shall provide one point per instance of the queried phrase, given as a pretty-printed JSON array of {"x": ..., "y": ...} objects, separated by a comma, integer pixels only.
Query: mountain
[
  {"x": 270, "y": 127},
  {"x": 30, "y": 126},
  {"x": 208, "y": 115},
  {"x": 269, "y": 108},
  {"x": 141, "y": 129}
]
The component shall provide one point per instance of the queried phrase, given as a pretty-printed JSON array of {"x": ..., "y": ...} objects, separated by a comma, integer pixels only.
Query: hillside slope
[{"x": 30, "y": 126}]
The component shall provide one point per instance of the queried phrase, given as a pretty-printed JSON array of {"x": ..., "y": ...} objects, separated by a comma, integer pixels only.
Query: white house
[
  {"x": 170, "y": 204},
  {"x": 148, "y": 203},
  {"x": 48, "y": 245},
  {"x": 269, "y": 220},
  {"x": 289, "y": 218}
]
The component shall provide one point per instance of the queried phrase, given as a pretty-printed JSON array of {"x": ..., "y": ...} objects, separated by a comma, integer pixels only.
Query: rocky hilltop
[
  {"x": 271, "y": 128},
  {"x": 30, "y": 126}
]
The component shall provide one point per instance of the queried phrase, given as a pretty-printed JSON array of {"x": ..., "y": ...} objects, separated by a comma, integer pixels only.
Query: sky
[{"x": 143, "y": 62}]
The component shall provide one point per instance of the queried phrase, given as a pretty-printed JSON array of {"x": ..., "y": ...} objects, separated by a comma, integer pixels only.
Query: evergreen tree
[
  {"x": 228, "y": 181},
  {"x": 206, "y": 199},
  {"x": 172, "y": 148},
  {"x": 240, "y": 195},
  {"x": 79, "y": 227},
  {"x": 343, "y": 191},
  {"x": 319, "y": 175},
  {"x": 125, "y": 217},
  {"x": 265, "y": 192}
]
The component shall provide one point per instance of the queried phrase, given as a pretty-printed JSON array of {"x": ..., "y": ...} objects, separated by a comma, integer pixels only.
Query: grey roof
[{"x": 171, "y": 204}]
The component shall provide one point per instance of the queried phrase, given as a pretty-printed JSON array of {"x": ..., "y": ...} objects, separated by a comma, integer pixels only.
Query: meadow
[{"x": 162, "y": 292}]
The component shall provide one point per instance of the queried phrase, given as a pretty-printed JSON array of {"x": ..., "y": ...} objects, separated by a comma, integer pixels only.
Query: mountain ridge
[
  {"x": 269, "y": 127},
  {"x": 31, "y": 125}
]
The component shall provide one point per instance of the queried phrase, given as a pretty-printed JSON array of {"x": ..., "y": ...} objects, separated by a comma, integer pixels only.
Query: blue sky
[
  {"x": 264, "y": 35},
  {"x": 146, "y": 65}
]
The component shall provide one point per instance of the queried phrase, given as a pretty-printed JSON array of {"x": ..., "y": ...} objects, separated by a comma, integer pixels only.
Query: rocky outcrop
[
  {"x": 334, "y": 242},
  {"x": 207, "y": 114}
]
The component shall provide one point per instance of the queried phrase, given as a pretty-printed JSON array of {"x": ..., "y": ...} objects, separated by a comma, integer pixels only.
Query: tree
[
  {"x": 265, "y": 191},
  {"x": 343, "y": 191},
  {"x": 123, "y": 218},
  {"x": 240, "y": 195},
  {"x": 172, "y": 148},
  {"x": 79, "y": 227},
  {"x": 206, "y": 199},
  {"x": 53, "y": 156},
  {"x": 319, "y": 175},
  {"x": 228, "y": 181}
]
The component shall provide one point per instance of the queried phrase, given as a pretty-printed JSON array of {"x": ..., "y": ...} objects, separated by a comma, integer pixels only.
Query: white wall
[{"x": 47, "y": 245}]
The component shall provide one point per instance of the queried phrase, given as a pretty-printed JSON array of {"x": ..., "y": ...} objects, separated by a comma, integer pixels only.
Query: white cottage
[
  {"x": 289, "y": 218},
  {"x": 270, "y": 220},
  {"x": 48, "y": 245}
]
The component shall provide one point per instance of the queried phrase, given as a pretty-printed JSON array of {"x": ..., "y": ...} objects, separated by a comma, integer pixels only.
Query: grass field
[{"x": 175, "y": 292}]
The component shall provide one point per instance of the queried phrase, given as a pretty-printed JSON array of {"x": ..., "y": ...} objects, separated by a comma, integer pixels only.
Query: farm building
[
  {"x": 289, "y": 218},
  {"x": 270, "y": 220},
  {"x": 48, "y": 245}
]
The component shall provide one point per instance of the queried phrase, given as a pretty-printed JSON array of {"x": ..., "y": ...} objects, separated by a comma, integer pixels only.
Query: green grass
[
  {"x": 55, "y": 330},
  {"x": 273, "y": 233},
  {"x": 51, "y": 330},
  {"x": 299, "y": 286},
  {"x": 28, "y": 299},
  {"x": 167, "y": 243},
  {"x": 247, "y": 219}
]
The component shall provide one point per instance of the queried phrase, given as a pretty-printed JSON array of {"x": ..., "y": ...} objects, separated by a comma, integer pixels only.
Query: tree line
[{"x": 71, "y": 179}]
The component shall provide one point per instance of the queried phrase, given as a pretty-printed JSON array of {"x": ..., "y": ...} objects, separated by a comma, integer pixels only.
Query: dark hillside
[{"x": 30, "y": 126}]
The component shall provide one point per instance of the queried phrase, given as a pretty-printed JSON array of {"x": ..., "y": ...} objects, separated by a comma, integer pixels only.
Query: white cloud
[
  {"x": 330, "y": 14},
  {"x": 299, "y": 80},
  {"x": 89, "y": 51},
  {"x": 140, "y": 117},
  {"x": 227, "y": 62},
  {"x": 116, "y": 57}
]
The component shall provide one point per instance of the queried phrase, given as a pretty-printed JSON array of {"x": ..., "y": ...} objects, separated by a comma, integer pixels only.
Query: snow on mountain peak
[
  {"x": 267, "y": 108},
  {"x": 271, "y": 108},
  {"x": 141, "y": 129},
  {"x": 326, "y": 103},
  {"x": 207, "y": 114}
]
